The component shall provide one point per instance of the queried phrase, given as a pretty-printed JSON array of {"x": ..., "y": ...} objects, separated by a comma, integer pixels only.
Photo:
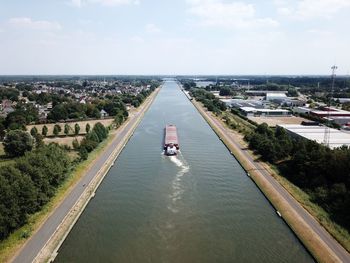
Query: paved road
[
  {"x": 342, "y": 254},
  {"x": 39, "y": 239}
]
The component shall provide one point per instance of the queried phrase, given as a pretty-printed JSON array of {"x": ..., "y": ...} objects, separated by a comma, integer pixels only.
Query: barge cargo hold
[{"x": 171, "y": 143}]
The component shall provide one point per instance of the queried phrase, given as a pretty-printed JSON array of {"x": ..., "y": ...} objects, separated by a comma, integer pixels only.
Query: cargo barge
[{"x": 171, "y": 143}]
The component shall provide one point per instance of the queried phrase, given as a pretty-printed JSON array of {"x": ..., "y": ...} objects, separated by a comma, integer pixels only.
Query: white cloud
[
  {"x": 116, "y": 2},
  {"x": 137, "y": 39},
  {"x": 80, "y": 3},
  {"x": 28, "y": 23},
  {"x": 237, "y": 15},
  {"x": 77, "y": 3},
  {"x": 310, "y": 9},
  {"x": 285, "y": 11},
  {"x": 321, "y": 33},
  {"x": 85, "y": 22},
  {"x": 152, "y": 28}
]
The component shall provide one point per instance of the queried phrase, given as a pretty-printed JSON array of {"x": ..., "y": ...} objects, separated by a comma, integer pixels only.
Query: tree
[
  {"x": 264, "y": 129},
  {"x": 15, "y": 120},
  {"x": 92, "y": 136},
  {"x": 17, "y": 142},
  {"x": 76, "y": 129},
  {"x": 47, "y": 166},
  {"x": 135, "y": 103},
  {"x": 292, "y": 92},
  {"x": 44, "y": 130},
  {"x": 119, "y": 119},
  {"x": 101, "y": 131},
  {"x": 17, "y": 199},
  {"x": 28, "y": 184},
  {"x": 75, "y": 144},
  {"x": 225, "y": 91},
  {"x": 83, "y": 153},
  {"x": 9, "y": 93},
  {"x": 33, "y": 131},
  {"x": 38, "y": 138},
  {"x": 87, "y": 128},
  {"x": 92, "y": 111},
  {"x": 59, "y": 112},
  {"x": 23, "y": 114},
  {"x": 56, "y": 129},
  {"x": 2, "y": 128},
  {"x": 66, "y": 129}
]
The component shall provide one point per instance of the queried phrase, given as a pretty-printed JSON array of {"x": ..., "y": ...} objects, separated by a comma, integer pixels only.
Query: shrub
[{"x": 17, "y": 142}]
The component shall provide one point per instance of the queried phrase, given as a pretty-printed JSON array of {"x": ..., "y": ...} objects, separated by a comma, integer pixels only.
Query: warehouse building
[
  {"x": 250, "y": 111},
  {"x": 331, "y": 112},
  {"x": 339, "y": 120},
  {"x": 276, "y": 97},
  {"x": 316, "y": 133},
  {"x": 238, "y": 103},
  {"x": 304, "y": 110},
  {"x": 264, "y": 92}
]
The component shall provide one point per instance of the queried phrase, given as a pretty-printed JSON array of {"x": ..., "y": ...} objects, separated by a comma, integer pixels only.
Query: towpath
[
  {"x": 341, "y": 255},
  {"x": 39, "y": 239}
]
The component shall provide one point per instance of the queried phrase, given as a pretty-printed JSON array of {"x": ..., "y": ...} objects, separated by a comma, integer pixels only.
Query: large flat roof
[
  {"x": 276, "y": 95},
  {"x": 237, "y": 103},
  {"x": 331, "y": 113},
  {"x": 266, "y": 91},
  {"x": 337, "y": 138},
  {"x": 251, "y": 109}
]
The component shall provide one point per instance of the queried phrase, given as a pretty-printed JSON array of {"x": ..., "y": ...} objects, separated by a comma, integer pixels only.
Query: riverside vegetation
[
  {"x": 28, "y": 184},
  {"x": 322, "y": 173},
  {"x": 35, "y": 171}
]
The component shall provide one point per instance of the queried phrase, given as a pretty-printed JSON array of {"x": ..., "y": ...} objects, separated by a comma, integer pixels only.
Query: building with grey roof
[{"x": 337, "y": 138}]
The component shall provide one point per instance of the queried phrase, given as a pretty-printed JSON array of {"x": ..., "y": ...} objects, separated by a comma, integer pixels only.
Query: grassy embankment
[
  {"x": 337, "y": 231},
  {"x": 311, "y": 241},
  {"x": 9, "y": 246},
  {"x": 48, "y": 253},
  {"x": 242, "y": 126}
]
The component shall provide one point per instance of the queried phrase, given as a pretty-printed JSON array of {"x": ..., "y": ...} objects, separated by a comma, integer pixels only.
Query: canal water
[{"x": 197, "y": 207}]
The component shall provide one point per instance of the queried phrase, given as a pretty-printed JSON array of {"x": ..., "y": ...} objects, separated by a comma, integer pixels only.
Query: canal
[{"x": 197, "y": 207}]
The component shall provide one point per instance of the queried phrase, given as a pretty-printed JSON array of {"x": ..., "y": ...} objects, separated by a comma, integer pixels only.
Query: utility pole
[{"x": 327, "y": 131}]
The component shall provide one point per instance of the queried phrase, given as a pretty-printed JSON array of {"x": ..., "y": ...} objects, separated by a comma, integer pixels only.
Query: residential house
[{"x": 103, "y": 113}]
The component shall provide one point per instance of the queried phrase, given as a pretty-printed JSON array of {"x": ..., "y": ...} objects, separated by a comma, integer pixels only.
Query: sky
[{"x": 216, "y": 37}]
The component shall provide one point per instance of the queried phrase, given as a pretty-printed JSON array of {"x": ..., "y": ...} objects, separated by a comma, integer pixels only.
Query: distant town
[{"x": 49, "y": 100}]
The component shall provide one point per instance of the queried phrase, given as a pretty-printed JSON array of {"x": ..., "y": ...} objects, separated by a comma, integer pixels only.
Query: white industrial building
[
  {"x": 337, "y": 138},
  {"x": 343, "y": 100},
  {"x": 238, "y": 103},
  {"x": 264, "y": 92},
  {"x": 339, "y": 120},
  {"x": 305, "y": 110},
  {"x": 276, "y": 97},
  {"x": 250, "y": 111}
]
